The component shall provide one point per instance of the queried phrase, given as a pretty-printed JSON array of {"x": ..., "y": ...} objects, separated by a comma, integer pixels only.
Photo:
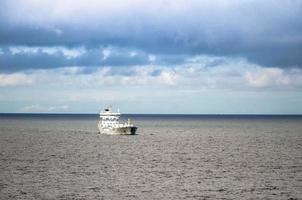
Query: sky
[{"x": 161, "y": 56}]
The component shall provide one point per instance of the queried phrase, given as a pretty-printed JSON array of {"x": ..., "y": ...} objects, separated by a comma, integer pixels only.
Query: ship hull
[{"x": 131, "y": 130}]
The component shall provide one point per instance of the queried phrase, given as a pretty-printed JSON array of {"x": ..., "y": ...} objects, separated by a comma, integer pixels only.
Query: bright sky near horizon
[{"x": 161, "y": 56}]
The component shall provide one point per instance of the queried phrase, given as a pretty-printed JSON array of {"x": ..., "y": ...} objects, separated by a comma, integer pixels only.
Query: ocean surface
[{"x": 172, "y": 157}]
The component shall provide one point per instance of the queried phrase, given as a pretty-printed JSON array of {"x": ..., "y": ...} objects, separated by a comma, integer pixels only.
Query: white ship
[{"x": 109, "y": 124}]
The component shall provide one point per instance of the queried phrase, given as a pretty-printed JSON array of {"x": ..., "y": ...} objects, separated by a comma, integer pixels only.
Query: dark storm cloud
[
  {"x": 40, "y": 59},
  {"x": 20, "y": 58},
  {"x": 15, "y": 62},
  {"x": 268, "y": 33}
]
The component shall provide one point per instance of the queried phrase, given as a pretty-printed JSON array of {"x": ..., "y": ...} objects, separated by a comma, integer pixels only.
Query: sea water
[{"x": 172, "y": 157}]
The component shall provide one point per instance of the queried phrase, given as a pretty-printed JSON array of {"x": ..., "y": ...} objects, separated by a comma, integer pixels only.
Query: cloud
[
  {"x": 15, "y": 79},
  {"x": 67, "y": 52},
  {"x": 40, "y": 108},
  {"x": 20, "y": 58},
  {"x": 196, "y": 73},
  {"x": 233, "y": 86},
  {"x": 267, "y": 33},
  {"x": 274, "y": 77}
]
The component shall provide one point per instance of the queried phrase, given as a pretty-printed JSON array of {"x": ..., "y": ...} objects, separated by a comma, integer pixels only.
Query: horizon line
[{"x": 45, "y": 113}]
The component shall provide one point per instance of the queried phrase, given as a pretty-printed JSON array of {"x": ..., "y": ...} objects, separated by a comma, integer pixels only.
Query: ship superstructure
[{"x": 109, "y": 124}]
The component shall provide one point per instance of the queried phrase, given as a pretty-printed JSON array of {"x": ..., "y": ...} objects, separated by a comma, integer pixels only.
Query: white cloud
[
  {"x": 267, "y": 77},
  {"x": 68, "y": 52},
  {"x": 106, "y": 53},
  {"x": 23, "y": 49},
  {"x": 151, "y": 58},
  {"x": 15, "y": 79},
  {"x": 99, "y": 95},
  {"x": 232, "y": 75},
  {"x": 133, "y": 53},
  {"x": 217, "y": 87},
  {"x": 198, "y": 73},
  {"x": 41, "y": 108}
]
